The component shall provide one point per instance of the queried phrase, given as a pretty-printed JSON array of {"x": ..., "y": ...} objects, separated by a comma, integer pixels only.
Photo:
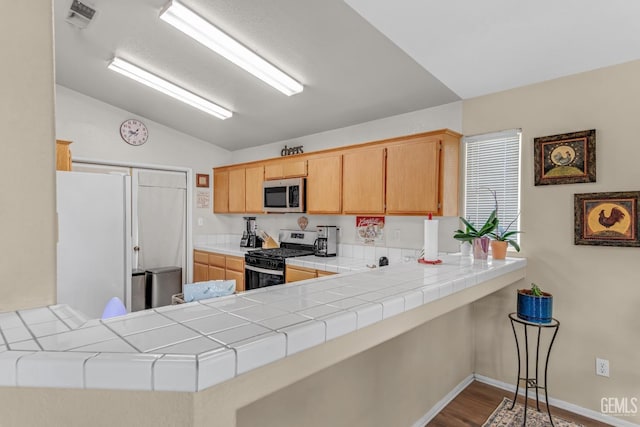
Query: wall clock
[{"x": 134, "y": 132}]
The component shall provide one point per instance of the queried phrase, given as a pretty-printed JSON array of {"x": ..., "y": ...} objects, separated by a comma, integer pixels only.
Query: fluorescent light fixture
[
  {"x": 202, "y": 31},
  {"x": 146, "y": 78}
]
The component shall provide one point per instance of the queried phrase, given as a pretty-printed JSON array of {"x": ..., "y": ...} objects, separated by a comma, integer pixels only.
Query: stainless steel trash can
[
  {"x": 162, "y": 283},
  {"x": 138, "y": 289}
]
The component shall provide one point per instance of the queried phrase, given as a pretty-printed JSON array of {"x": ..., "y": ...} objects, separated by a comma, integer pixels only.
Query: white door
[
  {"x": 93, "y": 251},
  {"x": 159, "y": 213}
]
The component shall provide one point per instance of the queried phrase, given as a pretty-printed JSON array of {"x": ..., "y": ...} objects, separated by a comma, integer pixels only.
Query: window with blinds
[{"x": 493, "y": 164}]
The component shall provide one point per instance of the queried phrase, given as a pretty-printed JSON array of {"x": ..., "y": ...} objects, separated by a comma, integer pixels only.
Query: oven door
[{"x": 256, "y": 277}]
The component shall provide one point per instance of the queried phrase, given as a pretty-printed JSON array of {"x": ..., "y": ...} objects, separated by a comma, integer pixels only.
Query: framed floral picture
[
  {"x": 607, "y": 219},
  {"x": 568, "y": 158}
]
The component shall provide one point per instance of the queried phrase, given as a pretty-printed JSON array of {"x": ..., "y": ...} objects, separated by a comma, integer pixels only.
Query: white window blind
[{"x": 493, "y": 163}]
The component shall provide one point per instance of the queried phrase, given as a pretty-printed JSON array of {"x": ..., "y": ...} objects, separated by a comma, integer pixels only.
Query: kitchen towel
[{"x": 430, "y": 239}]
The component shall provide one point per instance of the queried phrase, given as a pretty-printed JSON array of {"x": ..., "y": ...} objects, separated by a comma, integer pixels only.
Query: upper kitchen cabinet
[
  {"x": 412, "y": 183},
  {"x": 422, "y": 175},
  {"x": 220, "y": 191},
  {"x": 254, "y": 177},
  {"x": 63, "y": 155},
  {"x": 363, "y": 181},
  {"x": 237, "y": 190},
  {"x": 286, "y": 168},
  {"x": 324, "y": 185}
]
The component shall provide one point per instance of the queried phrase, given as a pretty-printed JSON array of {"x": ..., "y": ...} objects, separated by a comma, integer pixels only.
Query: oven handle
[{"x": 264, "y": 270}]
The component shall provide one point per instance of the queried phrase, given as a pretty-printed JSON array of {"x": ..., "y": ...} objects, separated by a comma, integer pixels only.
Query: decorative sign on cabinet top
[{"x": 290, "y": 151}]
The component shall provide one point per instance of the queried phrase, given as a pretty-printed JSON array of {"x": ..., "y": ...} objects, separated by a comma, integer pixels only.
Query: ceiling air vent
[{"x": 80, "y": 14}]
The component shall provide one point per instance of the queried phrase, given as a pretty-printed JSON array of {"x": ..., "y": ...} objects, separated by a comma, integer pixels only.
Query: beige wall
[
  {"x": 27, "y": 159},
  {"x": 393, "y": 384},
  {"x": 596, "y": 292}
]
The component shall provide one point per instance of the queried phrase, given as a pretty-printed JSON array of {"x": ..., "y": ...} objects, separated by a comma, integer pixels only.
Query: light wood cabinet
[
  {"x": 237, "y": 190},
  {"x": 324, "y": 185},
  {"x": 288, "y": 168},
  {"x": 413, "y": 171},
  {"x": 363, "y": 181},
  {"x": 409, "y": 175},
  {"x": 214, "y": 266},
  {"x": 294, "y": 273},
  {"x": 322, "y": 273},
  {"x": 254, "y": 177},
  {"x": 63, "y": 155},
  {"x": 220, "y": 191},
  {"x": 216, "y": 273}
]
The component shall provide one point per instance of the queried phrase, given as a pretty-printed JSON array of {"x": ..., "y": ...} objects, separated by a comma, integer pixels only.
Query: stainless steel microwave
[{"x": 284, "y": 195}]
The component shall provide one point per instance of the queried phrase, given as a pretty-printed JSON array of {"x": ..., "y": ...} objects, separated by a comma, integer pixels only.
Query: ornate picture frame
[
  {"x": 202, "y": 180},
  {"x": 568, "y": 158},
  {"x": 607, "y": 219}
]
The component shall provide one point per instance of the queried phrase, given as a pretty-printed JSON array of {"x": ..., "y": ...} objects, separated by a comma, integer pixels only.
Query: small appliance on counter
[
  {"x": 327, "y": 242},
  {"x": 250, "y": 238}
]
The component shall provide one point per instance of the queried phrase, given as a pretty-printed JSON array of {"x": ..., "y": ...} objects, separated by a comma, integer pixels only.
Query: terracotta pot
[
  {"x": 499, "y": 249},
  {"x": 480, "y": 248}
]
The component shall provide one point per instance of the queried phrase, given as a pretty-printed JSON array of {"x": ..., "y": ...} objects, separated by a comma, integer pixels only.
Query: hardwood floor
[{"x": 475, "y": 403}]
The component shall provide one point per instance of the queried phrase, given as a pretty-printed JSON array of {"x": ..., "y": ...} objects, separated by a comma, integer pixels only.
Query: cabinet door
[
  {"x": 294, "y": 168},
  {"x": 325, "y": 273},
  {"x": 238, "y": 277},
  {"x": 237, "y": 190},
  {"x": 200, "y": 272},
  {"x": 294, "y": 274},
  {"x": 412, "y": 177},
  {"x": 254, "y": 177},
  {"x": 363, "y": 181},
  {"x": 220, "y": 191},
  {"x": 324, "y": 185},
  {"x": 216, "y": 273},
  {"x": 234, "y": 263},
  {"x": 286, "y": 169},
  {"x": 63, "y": 155}
]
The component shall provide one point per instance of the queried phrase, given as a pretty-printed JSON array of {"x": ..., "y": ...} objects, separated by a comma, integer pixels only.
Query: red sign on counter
[{"x": 370, "y": 229}]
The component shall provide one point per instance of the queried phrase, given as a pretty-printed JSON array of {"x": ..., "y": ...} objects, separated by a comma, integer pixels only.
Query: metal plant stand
[{"x": 532, "y": 382}]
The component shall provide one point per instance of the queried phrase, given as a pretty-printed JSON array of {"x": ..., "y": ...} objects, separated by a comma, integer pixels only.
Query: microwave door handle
[{"x": 264, "y": 270}]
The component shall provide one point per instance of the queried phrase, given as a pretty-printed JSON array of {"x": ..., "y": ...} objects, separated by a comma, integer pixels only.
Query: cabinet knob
[{"x": 136, "y": 248}]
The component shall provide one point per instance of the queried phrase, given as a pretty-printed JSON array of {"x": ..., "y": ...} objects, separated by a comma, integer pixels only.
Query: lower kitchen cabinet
[
  {"x": 214, "y": 266},
  {"x": 295, "y": 273}
]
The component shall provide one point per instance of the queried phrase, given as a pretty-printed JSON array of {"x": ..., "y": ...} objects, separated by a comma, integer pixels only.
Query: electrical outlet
[{"x": 602, "y": 367}]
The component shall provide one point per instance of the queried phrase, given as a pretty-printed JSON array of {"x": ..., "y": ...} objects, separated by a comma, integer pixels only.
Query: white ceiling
[{"x": 353, "y": 69}]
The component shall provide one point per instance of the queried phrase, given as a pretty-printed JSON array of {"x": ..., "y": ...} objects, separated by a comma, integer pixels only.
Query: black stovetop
[{"x": 281, "y": 252}]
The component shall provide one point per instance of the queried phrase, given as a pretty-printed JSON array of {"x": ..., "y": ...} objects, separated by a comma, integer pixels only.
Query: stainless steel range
[{"x": 266, "y": 267}]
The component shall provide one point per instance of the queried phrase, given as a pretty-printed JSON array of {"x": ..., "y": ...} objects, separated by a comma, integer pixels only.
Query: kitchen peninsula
[{"x": 223, "y": 354}]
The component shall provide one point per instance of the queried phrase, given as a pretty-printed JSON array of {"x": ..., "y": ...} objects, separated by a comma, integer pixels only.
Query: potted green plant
[
  {"x": 478, "y": 237},
  {"x": 503, "y": 237},
  {"x": 534, "y": 305}
]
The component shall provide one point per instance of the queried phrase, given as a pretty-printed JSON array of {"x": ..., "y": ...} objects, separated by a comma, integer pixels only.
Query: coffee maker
[
  {"x": 327, "y": 242},
  {"x": 249, "y": 237}
]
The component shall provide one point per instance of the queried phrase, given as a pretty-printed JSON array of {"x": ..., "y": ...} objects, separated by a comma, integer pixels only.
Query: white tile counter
[{"x": 194, "y": 346}]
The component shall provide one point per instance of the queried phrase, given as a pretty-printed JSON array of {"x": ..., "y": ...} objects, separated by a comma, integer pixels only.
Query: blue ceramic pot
[{"x": 535, "y": 309}]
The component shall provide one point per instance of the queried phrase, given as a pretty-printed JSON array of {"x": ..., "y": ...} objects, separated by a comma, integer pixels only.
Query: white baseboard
[
  {"x": 598, "y": 416},
  {"x": 443, "y": 402}
]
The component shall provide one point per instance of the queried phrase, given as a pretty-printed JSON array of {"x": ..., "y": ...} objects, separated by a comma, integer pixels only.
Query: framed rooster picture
[
  {"x": 568, "y": 158},
  {"x": 607, "y": 219}
]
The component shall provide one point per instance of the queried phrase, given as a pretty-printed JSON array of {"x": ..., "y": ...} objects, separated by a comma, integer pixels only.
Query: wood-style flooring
[{"x": 477, "y": 402}]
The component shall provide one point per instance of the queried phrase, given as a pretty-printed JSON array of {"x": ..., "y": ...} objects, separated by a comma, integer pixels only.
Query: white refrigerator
[{"x": 94, "y": 240}]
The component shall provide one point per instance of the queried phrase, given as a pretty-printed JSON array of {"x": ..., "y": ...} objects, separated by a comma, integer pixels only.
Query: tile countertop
[{"x": 191, "y": 347}]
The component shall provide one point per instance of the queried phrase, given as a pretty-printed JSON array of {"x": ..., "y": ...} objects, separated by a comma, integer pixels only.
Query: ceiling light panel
[
  {"x": 215, "y": 39},
  {"x": 146, "y": 78}
]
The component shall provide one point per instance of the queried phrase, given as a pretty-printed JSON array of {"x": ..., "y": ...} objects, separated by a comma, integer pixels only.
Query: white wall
[
  {"x": 94, "y": 128},
  {"x": 401, "y": 231}
]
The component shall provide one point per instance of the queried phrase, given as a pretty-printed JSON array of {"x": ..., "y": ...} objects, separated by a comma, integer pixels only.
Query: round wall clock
[{"x": 134, "y": 132}]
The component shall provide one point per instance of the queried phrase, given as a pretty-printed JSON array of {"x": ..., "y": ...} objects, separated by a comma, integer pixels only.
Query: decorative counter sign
[
  {"x": 370, "y": 229},
  {"x": 290, "y": 151}
]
